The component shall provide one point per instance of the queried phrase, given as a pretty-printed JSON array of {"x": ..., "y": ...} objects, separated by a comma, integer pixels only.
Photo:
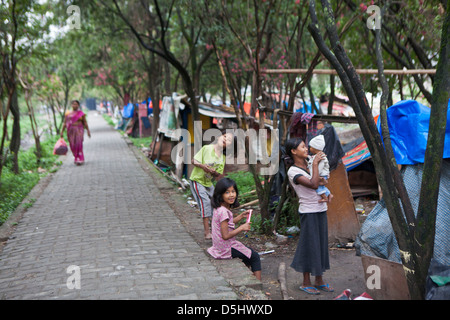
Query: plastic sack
[
  {"x": 60, "y": 147},
  {"x": 438, "y": 281}
]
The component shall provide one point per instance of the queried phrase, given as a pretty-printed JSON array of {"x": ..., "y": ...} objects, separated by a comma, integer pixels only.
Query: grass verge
[{"x": 15, "y": 187}]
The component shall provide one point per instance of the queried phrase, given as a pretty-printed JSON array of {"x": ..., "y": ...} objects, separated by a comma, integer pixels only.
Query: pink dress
[
  {"x": 75, "y": 133},
  {"x": 221, "y": 249}
]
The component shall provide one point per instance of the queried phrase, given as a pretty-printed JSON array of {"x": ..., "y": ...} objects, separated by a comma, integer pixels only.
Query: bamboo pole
[
  {"x": 323, "y": 117},
  {"x": 359, "y": 71},
  {"x": 248, "y": 204}
]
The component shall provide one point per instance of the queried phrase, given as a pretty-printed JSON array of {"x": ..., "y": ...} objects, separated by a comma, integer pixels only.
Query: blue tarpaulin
[
  {"x": 306, "y": 108},
  {"x": 128, "y": 111},
  {"x": 408, "y": 122},
  {"x": 147, "y": 102}
]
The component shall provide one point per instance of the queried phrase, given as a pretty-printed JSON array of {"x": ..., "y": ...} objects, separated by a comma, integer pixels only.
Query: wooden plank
[
  {"x": 391, "y": 277},
  {"x": 248, "y": 204},
  {"x": 343, "y": 223}
]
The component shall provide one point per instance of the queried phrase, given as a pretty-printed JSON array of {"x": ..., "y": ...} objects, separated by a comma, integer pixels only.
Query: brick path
[{"x": 108, "y": 219}]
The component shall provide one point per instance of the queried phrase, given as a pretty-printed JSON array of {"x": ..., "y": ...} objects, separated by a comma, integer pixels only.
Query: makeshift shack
[
  {"x": 176, "y": 114},
  {"x": 136, "y": 120},
  {"x": 376, "y": 243},
  {"x": 360, "y": 169},
  {"x": 341, "y": 106},
  {"x": 169, "y": 121}
]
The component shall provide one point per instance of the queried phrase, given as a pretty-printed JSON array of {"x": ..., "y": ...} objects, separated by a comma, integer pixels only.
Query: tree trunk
[
  {"x": 331, "y": 97},
  {"x": 429, "y": 192},
  {"x": 4, "y": 133},
  {"x": 353, "y": 87},
  {"x": 34, "y": 127},
  {"x": 14, "y": 144}
]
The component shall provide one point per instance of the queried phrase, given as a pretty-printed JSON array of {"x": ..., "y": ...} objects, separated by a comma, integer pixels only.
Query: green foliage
[
  {"x": 108, "y": 120},
  {"x": 141, "y": 142},
  {"x": 289, "y": 213},
  {"x": 245, "y": 183},
  {"x": 14, "y": 188},
  {"x": 259, "y": 226},
  {"x": 289, "y": 216}
]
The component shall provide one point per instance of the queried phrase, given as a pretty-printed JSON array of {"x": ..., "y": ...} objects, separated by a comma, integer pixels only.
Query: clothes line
[{"x": 359, "y": 71}]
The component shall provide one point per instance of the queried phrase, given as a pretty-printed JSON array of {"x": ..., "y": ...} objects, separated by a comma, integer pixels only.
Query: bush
[
  {"x": 245, "y": 183},
  {"x": 289, "y": 213},
  {"x": 15, "y": 187}
]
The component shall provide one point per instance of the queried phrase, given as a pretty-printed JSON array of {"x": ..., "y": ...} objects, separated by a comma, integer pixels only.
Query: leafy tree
[
  {"x": 406, "y": 40},
  {"x": 415, "y": 235},
  {"x": 22, "y": 25},
  {"x": 156, "y": 38},
  {"x": 122, "y": 69}
]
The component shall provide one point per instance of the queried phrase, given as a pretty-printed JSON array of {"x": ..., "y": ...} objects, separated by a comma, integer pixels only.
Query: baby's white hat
[{"x": 318, "y": 142}]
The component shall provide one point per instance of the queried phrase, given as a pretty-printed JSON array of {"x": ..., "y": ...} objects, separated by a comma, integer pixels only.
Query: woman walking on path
[
  {"x": 75, "y": 122},
  {"x": 311, "y": 256}
]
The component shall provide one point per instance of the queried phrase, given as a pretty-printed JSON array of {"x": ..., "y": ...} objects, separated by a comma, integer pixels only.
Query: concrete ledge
[{"x": 237, "y": 274}]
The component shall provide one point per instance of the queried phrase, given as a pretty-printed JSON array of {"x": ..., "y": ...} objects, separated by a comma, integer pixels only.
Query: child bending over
[{"x": 209, "y": 164}]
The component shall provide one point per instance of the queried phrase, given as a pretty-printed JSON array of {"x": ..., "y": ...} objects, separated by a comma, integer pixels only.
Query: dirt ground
[{"x": 346, "y": 270}]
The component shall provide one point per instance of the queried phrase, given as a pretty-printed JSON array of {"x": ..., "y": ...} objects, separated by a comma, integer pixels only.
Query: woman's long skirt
[
  {"x": 75, "y": 135},
  {"x": 311, "y": 254}
]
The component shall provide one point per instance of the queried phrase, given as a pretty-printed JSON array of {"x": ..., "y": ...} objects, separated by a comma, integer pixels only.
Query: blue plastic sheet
[
  {"x": 128, "y": 111},
  {"x": 408, "y": 122},
  {"x": 306, "y": 107}
]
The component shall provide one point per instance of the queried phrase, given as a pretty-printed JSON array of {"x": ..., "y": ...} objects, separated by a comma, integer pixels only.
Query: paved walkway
[{"x": 103, "y": 231}]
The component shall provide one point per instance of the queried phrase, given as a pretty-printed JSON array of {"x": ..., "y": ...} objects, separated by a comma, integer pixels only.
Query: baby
[{"x": 315, "y": 145}]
